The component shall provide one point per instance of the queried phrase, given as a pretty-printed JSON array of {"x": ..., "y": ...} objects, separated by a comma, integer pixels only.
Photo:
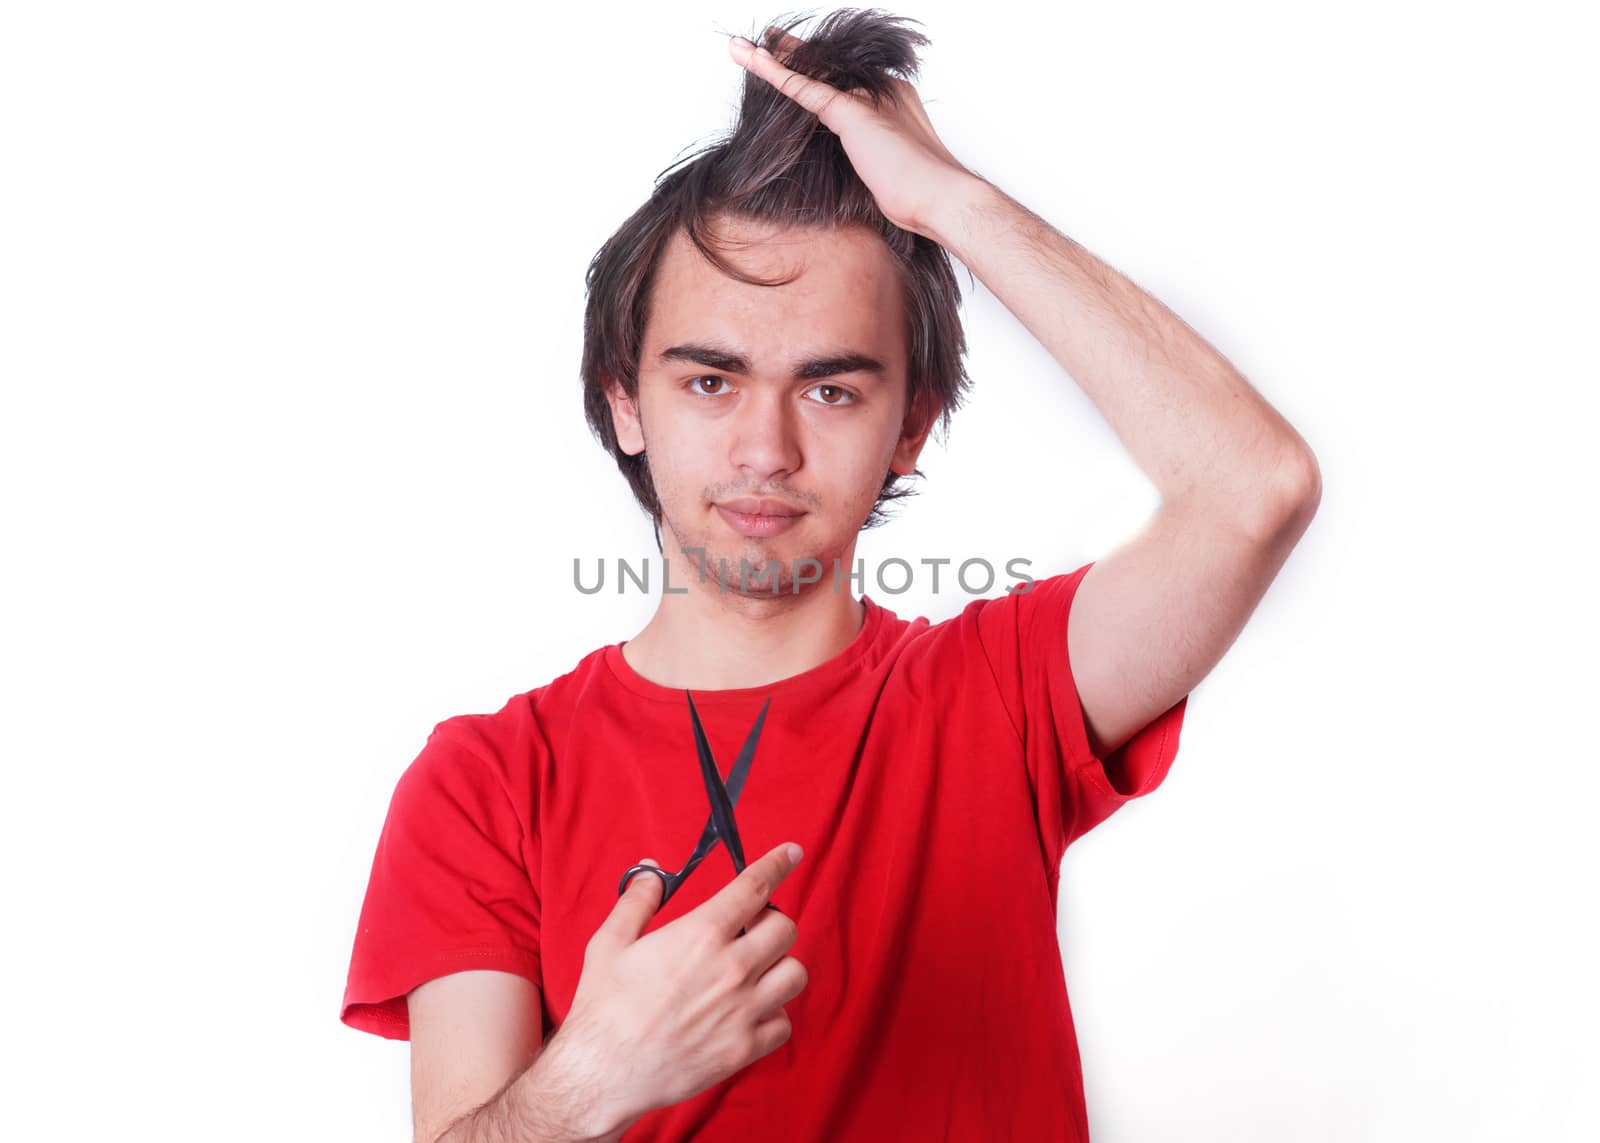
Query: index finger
[
  {"x": 812, "y": 94},
  {"x": 743, "y": 898}
]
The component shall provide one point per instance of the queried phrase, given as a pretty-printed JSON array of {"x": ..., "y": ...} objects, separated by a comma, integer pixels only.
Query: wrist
[
  {"x": 958, "y": 204},
  {"x": 568, "y": 1087}
]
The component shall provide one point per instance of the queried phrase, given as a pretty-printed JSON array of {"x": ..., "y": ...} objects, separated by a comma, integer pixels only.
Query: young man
[{"x": 769, "y": 342}]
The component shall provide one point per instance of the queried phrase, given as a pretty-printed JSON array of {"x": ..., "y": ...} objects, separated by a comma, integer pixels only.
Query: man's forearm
[
  {"x": 1195, "y": 426},
  {"x": 554, "y": 1101}
]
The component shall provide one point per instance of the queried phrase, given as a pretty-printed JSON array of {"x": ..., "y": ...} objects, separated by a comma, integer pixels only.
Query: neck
[{"x": 710, "y": 639}]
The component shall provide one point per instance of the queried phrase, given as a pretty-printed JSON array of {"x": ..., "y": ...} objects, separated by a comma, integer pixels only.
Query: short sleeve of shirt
[
  {"x": 449, "y": 890},
  {"x": 1023, "y": 636}
]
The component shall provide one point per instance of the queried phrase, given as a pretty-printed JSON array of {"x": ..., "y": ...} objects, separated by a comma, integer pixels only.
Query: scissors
[{"x": 720, "y": 826}]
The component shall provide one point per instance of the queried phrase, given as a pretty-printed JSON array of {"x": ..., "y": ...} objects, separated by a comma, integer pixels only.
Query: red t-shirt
[{"x": 935, "y": 774}]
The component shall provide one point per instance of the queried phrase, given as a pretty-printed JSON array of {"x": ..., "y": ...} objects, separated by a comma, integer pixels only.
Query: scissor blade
[
  {"x": 747, "y": 752},
  {"x": 721, "y": 806},
  {"x": 735, "y": 787}
]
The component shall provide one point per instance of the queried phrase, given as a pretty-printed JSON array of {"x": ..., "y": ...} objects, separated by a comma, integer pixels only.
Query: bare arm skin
[{"x": 478, "y": 1066}]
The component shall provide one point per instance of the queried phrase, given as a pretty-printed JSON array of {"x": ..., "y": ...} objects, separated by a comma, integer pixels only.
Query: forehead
[{"x": 846, "y": 293}]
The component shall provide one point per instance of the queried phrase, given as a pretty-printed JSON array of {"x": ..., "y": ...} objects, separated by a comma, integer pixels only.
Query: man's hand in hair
[{"x": 893, "y": 147}]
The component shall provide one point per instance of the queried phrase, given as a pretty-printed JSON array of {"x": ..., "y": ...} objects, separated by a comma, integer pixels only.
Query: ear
[
  {"x": 625, "y": 418},
  {"x": 913, "y": 435}
]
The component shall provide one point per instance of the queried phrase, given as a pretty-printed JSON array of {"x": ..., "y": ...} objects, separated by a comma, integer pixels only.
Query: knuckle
[
  {"x": 702, "y": 938},
  {"x": 730, "y": 976},
  {"x": 741, "y": 1049},
  {"x": 800, "y": 88},
  {"x": 760, "y": 886}
]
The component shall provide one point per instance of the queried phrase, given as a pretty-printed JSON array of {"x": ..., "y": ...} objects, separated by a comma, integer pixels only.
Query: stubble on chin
[{"x": 720, "y": 571}]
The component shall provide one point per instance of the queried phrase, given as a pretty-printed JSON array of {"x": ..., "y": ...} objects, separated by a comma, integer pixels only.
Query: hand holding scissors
[{"x": 662, "y": 1016}]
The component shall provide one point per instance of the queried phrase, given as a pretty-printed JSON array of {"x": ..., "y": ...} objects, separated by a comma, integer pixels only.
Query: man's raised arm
[{"x": 1238, "y": 485}]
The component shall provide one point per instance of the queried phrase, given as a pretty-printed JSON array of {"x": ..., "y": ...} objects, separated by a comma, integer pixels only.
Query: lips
[
  {"x": 762, "y": 506},
  {"x": 760, "y": 517}
]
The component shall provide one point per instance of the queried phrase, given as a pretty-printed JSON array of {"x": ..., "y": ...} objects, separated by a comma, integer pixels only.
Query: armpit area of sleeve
[
  {"x": 1099, "y": 784},
  {"x": 375, "y": 997}
]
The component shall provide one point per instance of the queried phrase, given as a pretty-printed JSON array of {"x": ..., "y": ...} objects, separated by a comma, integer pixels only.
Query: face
[{"x": 792, "y": 398}]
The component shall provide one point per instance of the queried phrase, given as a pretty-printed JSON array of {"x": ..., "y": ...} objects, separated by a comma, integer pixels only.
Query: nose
[{"x": 766, "y": 440}]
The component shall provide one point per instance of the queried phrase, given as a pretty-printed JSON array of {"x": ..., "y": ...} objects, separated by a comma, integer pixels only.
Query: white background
[{"x": 295, "y": 467}]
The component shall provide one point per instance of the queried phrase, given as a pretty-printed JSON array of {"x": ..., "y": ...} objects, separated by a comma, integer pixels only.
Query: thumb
[{"x": 638, "y": 903}]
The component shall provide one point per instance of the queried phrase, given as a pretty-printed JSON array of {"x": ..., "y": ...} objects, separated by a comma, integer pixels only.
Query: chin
[
  {"x": 789, "y": 557},
  {"x": 789, "y": 549}
]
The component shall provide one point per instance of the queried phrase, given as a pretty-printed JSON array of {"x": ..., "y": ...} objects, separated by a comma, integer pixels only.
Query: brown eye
[
  {"x": 699, "y": 387},
  {"x": 842, "y": 396}
]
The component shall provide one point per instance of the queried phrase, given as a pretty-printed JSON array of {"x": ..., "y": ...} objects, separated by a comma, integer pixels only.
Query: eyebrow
[{"x": 808, "y": 369}]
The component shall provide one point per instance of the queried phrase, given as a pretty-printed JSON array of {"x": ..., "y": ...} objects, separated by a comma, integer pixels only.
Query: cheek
[
  {"x": 856, "y": 471},
  {"x": 664, "y": 443}
]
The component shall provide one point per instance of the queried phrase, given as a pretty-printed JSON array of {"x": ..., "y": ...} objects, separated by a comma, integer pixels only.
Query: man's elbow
[{"x": 1291, "y": 496}]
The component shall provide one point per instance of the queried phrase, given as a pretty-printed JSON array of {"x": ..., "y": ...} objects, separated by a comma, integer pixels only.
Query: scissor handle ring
[{"x": 633, "y": 870}]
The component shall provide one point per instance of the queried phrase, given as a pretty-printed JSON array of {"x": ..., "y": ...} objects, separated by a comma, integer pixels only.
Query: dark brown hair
[{"x": 778, "y": 164}]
